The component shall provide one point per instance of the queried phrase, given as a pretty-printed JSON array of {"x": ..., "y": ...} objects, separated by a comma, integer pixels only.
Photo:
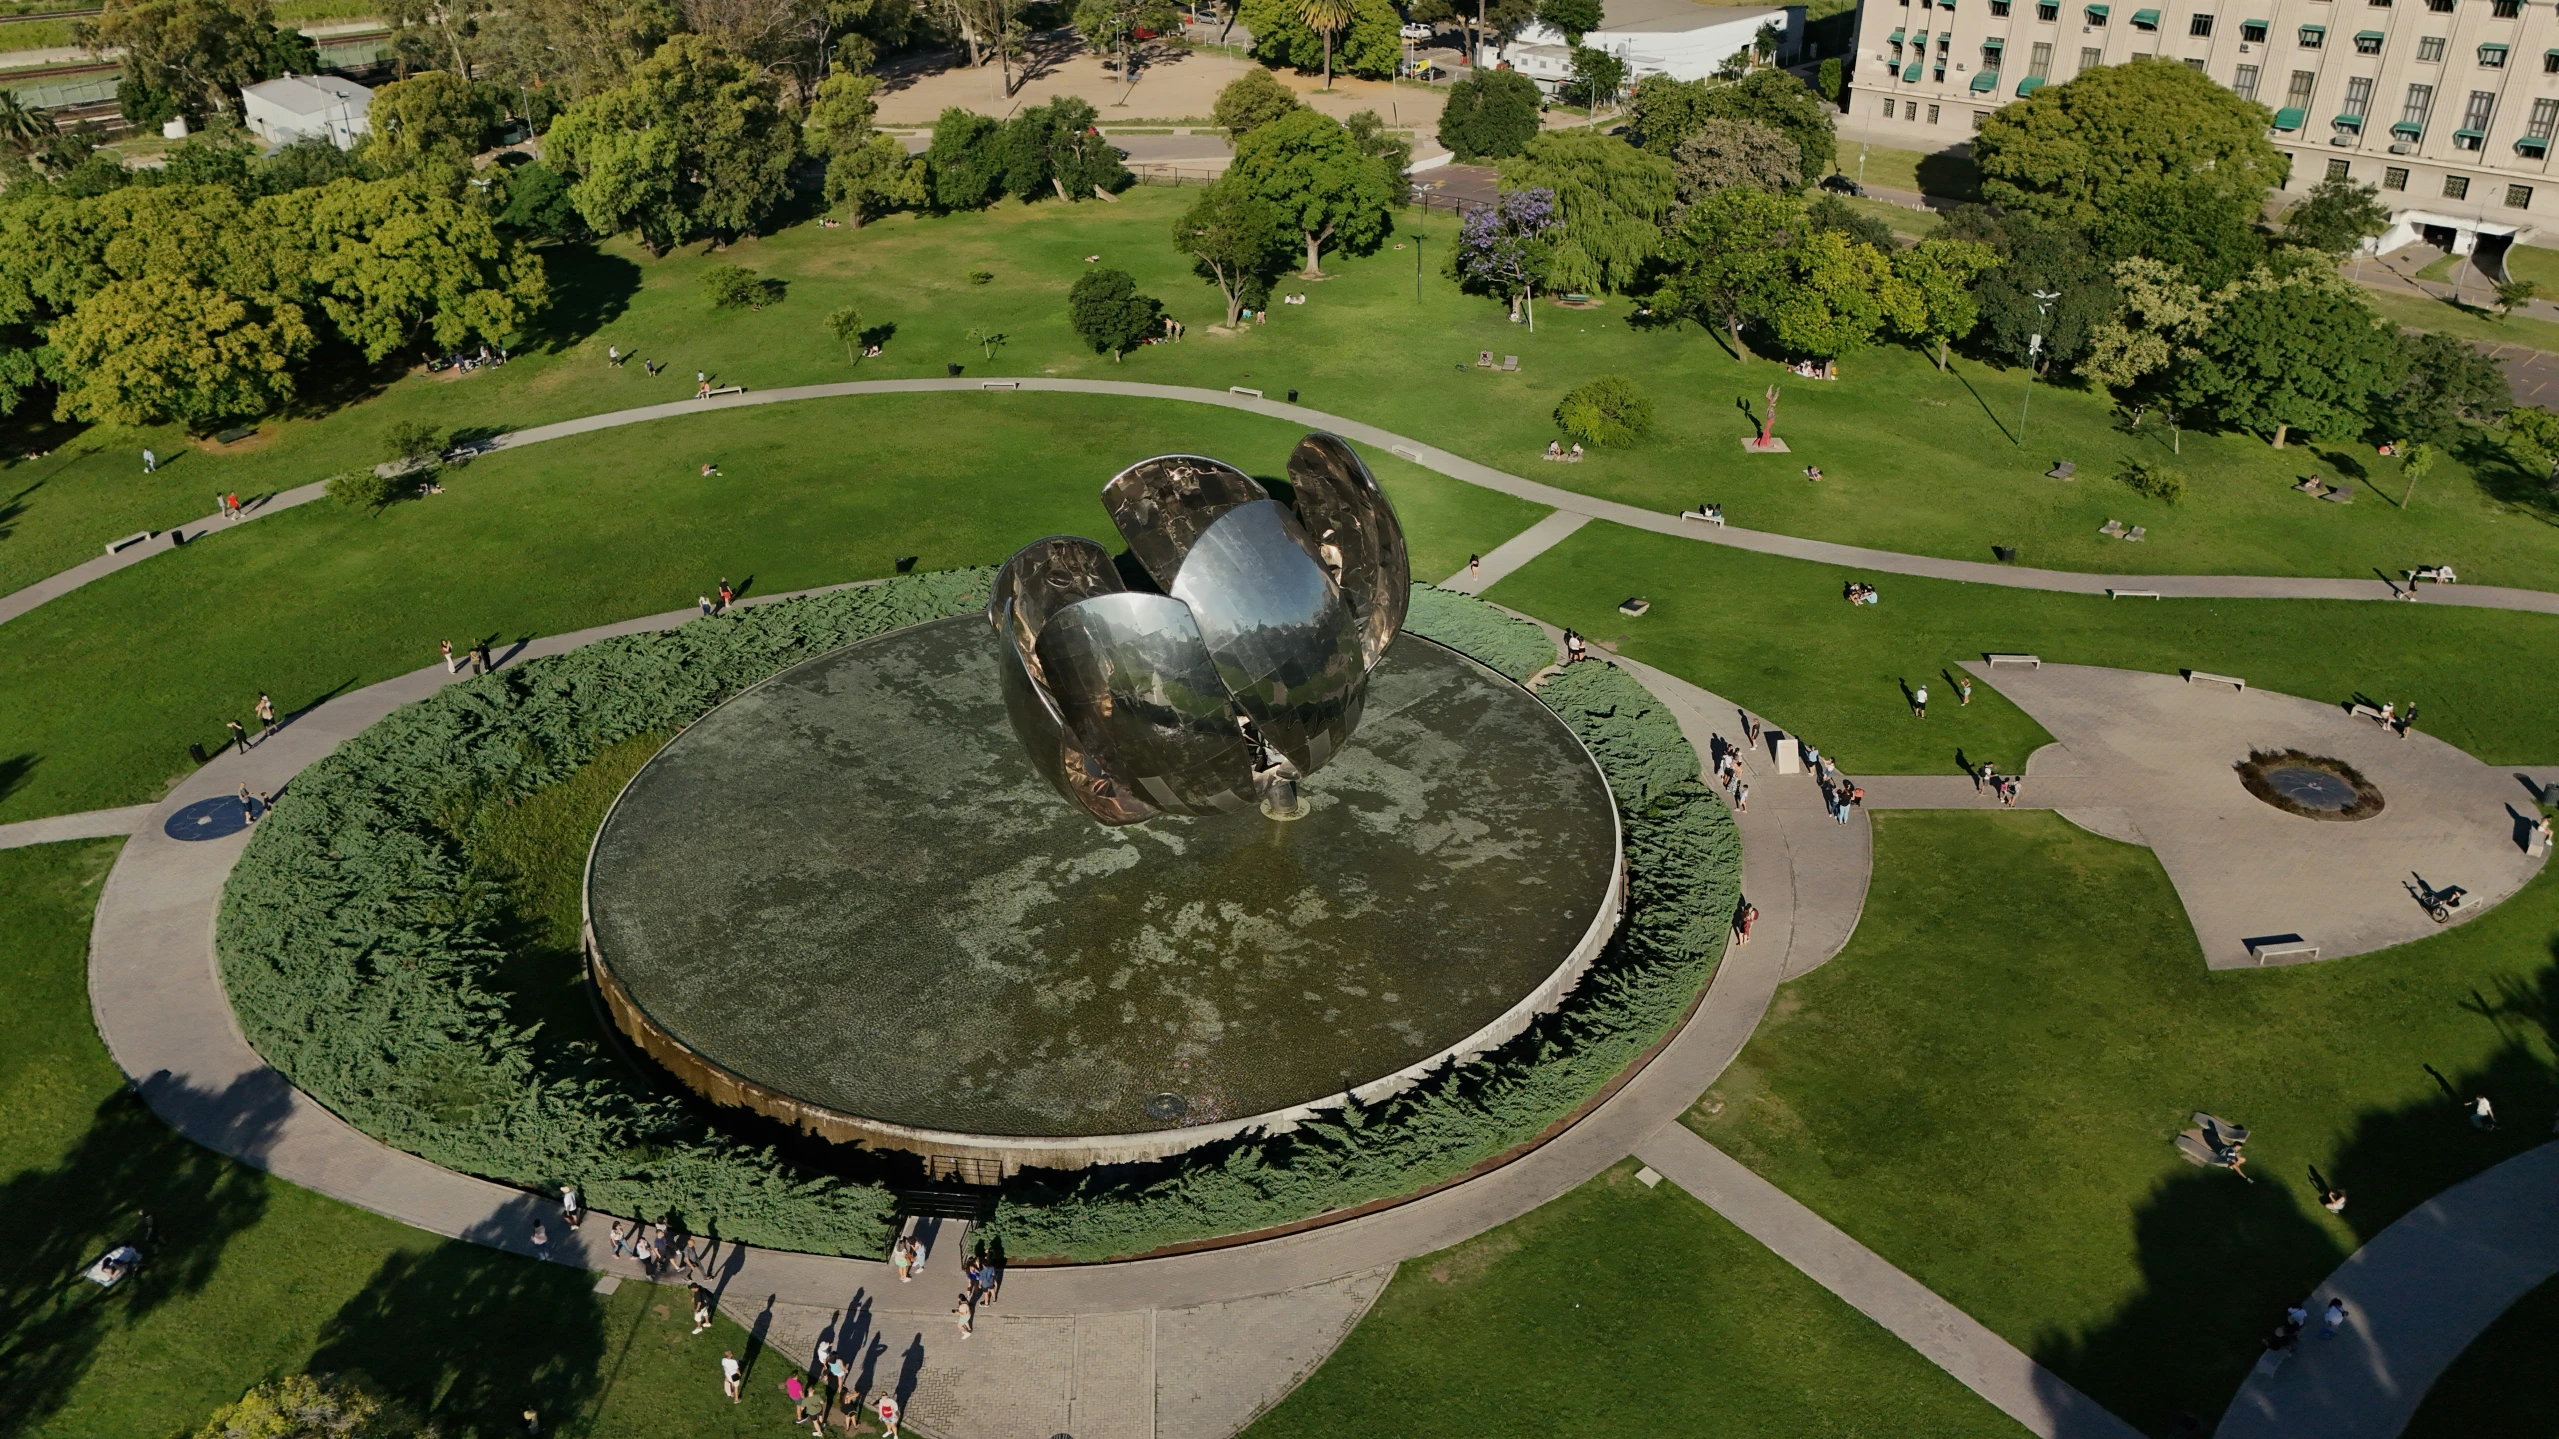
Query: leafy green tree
[
  {"x": 1327, "y": 18},
  {"x": 2513, "y": 293},
  {"x": 1370, "y": 44},
  {"x": 308, "y": 162},
  {"x": 1112, "y": 26},
  {"x": 2448, "y": 385},
  {"x": 366, "y": 489},
  {"x": 1613, "y": 199},
  {"x": 2532, "y": 436},
  {"x": 577, "y": 47},
  {"x": 867, "y": 173},
  {"x": 2296, "y": 351},
  {"x": 2037, "y": 257},
  {"x": 1839, "y": 294},
  {"x": 1665, "y": 112},
  {"x": 1941, "y": 274},
  {"x": 2337, "y": 216},
  {"x": 1720, "y": 153},
  {"x": 433, "y": 116},
  {"x": 1571, "y": 19},
  {"x": 1250, "y": 101},
  {"x": 2139, "y": 353},
  {"x": 1054, "y": 148},
  {"x": 412, "y": 444},
  {"x": 1393, "y": 153},
  {"x": 191, "y": 57},
  {"x": 692, "y": 142},
  {"x": 1829, "y": 79},
  {"x": 301, "y": 1407},
  {"x": 2414, "y": 462},
  {"x": 428, "y": 34},
  {"x": 735, "y": 287},
  {"x": 221, "y": 156},
  {"x": 537, "y": 204},
  {"x": 1605, "y": 411},
  {"x": 964, "y": 160},
  {"x": 1310, "y": 170},
  {"x": 1829, "y": 212},
  {"x": 395, "y": 262},
  {"x": 165, "y": 348},
  {"x": 24, "y": 128},
  {"x": 1597, "y": 75},
  {"x": 1489, "y": 115},
  {"x": 1728, "y": 259},
  {"x": 845, "y": 324},
  {"x": 1109, "y": 313},
  {"x": 2143, "y": 138},
  {"x": 1234, "y": 239},
  {"x": 2187, "y": 221}
]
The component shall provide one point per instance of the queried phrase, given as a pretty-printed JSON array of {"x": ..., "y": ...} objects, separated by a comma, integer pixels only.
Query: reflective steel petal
[
  {"x": 1284, "y": 639},
  {"x": 1141, "y": 694},
  {"x": 1357, "y": 537},
  {"x": 1055, "y": 750},
  {"x": 1161, "y": 506}
]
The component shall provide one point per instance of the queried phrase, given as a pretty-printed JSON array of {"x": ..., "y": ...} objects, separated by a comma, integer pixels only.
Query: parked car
[
  {"x": 1416, "y": 30},
  {"x": 1843, "y": 185}
]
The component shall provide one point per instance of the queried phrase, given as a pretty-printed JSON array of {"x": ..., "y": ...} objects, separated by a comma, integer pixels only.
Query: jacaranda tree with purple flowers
[{"x": 1510, "y": 247}]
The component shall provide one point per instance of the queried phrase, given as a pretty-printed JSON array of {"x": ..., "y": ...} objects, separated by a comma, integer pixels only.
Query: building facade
[
  {"x": 1678, "y": 38},
  {"x": 296, "y": 107},
  {"x": 2448, "y": 107}
]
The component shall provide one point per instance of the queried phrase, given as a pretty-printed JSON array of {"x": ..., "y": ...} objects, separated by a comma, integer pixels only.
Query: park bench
[
  {"x": 726, "y": 390},
  {"x": 2364, "y": 711},
  {"x": 128, "y": 542},
  {"x": 1634, "y": 605},
  {"x": 2032, "y": 662},
  {"x": 1483, "y": 359},
  {"x": 1510, "y": 362},
  {"x": 1408, "y": 452},
  {"x": 2234, "y": 681},
  {"x": 2061, "y": 471},
  {"x": 999, "y": 384},
  {"x": 2282, "y": 949},
  {"x": 1703, "y": 518},
  {"x": 2112, "y": 529},
  {"x": 2132, "y": 594},
  {"x": 1243, "y": 390},
  {"x": 2135, "y": 533},
  {"x": 2440, "y": 574},
  {"x": 2339, "y": 494}
]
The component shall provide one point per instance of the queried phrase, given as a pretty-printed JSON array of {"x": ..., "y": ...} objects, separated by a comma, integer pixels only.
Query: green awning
[
  {"x": 2409, "y": 128},
  {"x": 2247, "y": 25},
  {"x": 1894, "y": 38},
  {"x": 2289, "y": 118},
  {"x": 2148, "y": 19},
  {"x": 2374, "y": 36},
  {"x": 2098, "y": 13},
  {"x": 2468, "y": 135},
  {"x": 2029, "y": 86},
  {"x": 1994, "y": 44},
  {"x": 1986, "y": 80},
  {"x": 2308, "y": 31},
  {"x": 2350, "y": 122},
  {"x": 2532, "y": 145},
  {"x": 1912, "y": 73},
  {"x": 2486, "y": 50}
]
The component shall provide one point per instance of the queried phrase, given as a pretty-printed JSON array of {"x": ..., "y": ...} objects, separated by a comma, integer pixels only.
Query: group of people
[
  {"x": 477, "y": 656},
  {"x": 226, "y": 504},
  {"x": 1555, "y": 451},
  {"x": 2002, "y": 787},
  {"x": 466, "y": 360},
  {"x": 660, "y": 1247},
  {"x": 1575, "y": 650},
  {"x": 2395, "y": 720},
  {"x": 1858, "y": 592},
  {"x": 2288, "y": 1330},
  {"x": 720, "y": 605}
]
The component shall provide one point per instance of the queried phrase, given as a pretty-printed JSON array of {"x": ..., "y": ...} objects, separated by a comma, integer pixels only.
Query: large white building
[
  {"x": 1678, "y": 38},
  {"x": 2448, "y": 106},
  {"x": 298, "y": 106}
]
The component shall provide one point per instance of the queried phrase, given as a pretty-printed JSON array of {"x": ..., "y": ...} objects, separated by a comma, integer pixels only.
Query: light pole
[{"x": 2034, "y": 347}]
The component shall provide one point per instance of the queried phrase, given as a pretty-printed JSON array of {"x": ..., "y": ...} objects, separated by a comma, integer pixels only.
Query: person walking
[
  {"x": 888, "y": 1416},
  {"x": 613, "y": 356},
  {"x": 248, "y": 806},
  {"x": 1741, "y": 799},
  {"x": 150, "y": 462},
  {"x": 621, "y": 1236},
  {"x": 2483, "y": 1115},
  {"x": 2407, "y": 719},
  {"x": 1474, "y": 566},
  {"x": 239, "y": 736},
  {"x": 729, "y": 1374},
  {"x": 728, "y": 596},
  {"x": 701, "y": 1308},
  {"x": 1919, "y": 703},
  {"x": 798, "y": 1394},
  {"x": 233, "y": 500},
  {"x": 706, "y": 605},
  {"x": 572, "y": 1213},
  {"x": 266, "y": 715},
  {"x": 902, "y": 1259},
  {"x": 480, "y": 658},
  {"x": 445, "y": 647},
  {"x": 1963, "y": 693},
  {"x": 541, "y": 1241},
  {"x": 1742, "y": 927},
  {"x": 2332, "y": 1319},
  {"x": 965, "y": 1308}
]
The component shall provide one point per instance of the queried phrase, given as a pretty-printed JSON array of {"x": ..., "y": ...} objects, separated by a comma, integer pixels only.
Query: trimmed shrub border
[
  {"x": 354, "y": 941},
  {"x": 2253, "y": 771}
]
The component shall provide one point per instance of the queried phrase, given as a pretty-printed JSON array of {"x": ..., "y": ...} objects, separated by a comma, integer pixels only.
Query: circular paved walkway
[{"x": 1456, "y": 467}]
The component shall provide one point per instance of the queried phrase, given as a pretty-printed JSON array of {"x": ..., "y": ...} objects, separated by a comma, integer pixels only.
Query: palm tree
[
  {"x": 23, "y": 128},
  {"x": 1326, "y": 18}
]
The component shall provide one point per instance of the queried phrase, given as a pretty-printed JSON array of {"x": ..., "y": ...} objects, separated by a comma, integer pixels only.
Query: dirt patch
[{"x": 2311, "y": 786}]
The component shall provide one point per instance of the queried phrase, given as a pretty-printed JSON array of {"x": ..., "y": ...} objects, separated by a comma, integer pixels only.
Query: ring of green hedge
[{"x": 355, "y": 943}]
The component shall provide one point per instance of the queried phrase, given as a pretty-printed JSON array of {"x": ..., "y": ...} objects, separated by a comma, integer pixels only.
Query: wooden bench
[
  {"x": 2440, "y": 574},
  {"x": 1510, "y": 362},
  {"x": 2234, "y": 681},
  {"x": 2136, "y": 533},
  {"x": 2132, "y": 594},
  {"x": 999, "y": 384},
  {"x": 128, "y": 542},
  {"x": 1408, "y": 452},
  {"x": 1635, "y": 605},
  {"x": 2282, "y": 949},
  {"x": 2062, "y": 471},
  {"x": 2363, "y": 712},
  {"x": 1241, "y": 390},
  {"x": 2032, "y": 662},
  {"x": 726, "y": 390},
  {"x": 1703, "y": 518}
]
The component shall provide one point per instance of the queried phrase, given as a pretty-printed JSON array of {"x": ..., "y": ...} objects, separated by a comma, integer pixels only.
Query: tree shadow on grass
[
  {"x": 473, "y": 1336},
  {"x": 2503, "y": 478},
  {"x": 2221, "y": 1257},
  {"x": 128, "y": 1180},
  {"x": 589, "y": 290}
]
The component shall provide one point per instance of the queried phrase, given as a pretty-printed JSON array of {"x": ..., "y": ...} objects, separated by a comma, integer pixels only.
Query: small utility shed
[{"x": 295, "y": 107}]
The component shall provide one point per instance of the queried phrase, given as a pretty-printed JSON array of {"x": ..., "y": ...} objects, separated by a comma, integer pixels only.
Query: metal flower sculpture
[{"x": 1241, "y": 672}]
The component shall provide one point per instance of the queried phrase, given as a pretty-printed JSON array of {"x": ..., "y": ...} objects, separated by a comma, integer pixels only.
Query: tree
[
  {"x": 1311, "y": 171},
  {"x": 2037, "y": 257},
  {"x": 1941, "y": 274},
  {"x": 395, "y": 262},
  {"x": 1234, "y": 239},
  {"x": 845, "y": 324},
  {"x": 963, "y": 160},
  {"x": 867, "y": 173},
  {"x": 1109, "y": 313},
  {"x": 1829, "y": 79},
  {"x": 1605, "y": 411},
  {"x": 1667, "y": 111},
  {"x": 434, "y": 115},
  {"x": 575, "y": 48},
  {"x": 1250, "y": 101},
  {"x": 1571, "y": 19},
  {"x": 301, "y": 1407},
  {"x": 735, "y": 287},
  {"x": 692, "y": 142},
  {"x": 192, "y": 57},
  {"x": 1829, "y": 212},
  {"x": 2111, "y": 141},
  {"x": 537, "y": 204},
  {"x": 2513, "y": 293},
  {"x": 166, "y": 348},
  {"x": 2336, "y": 217},
  {"x": 1510, "y": 248},
  {"x": 2141, "y": 351},
  {"x": 1728, "y": 259},
  {"x": 2414, "y": 461},
  {"x": 428, "y": 34},
  {"x": 2294, "y": 351},
  {"x": 1327, "y": 18},
  {"x": 1055, "y": 148},
  {"x": 1597, "y": 76},
  {"x": 1612, "y": 197},
  {"x": 2448, "y": 384},
  {"x": 2532, "y": 435},
  {"x": 24, "y": 129},
  {"x": 1719, "y": 153},
  {"x": 1392, "y": 152},
  {"x": 1369, "y": 43},
  {"x": 1489, "y": 116},
  {"x": 1114, "y": 25},
  {"x": 1838, "y": 294}
]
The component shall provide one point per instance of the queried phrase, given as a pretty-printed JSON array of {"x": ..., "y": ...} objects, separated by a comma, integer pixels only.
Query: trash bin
[
  {"x": 2007, "y": 553},
  {"x": 1292, "y": 397},
  {"x": 954, "y": 367}
]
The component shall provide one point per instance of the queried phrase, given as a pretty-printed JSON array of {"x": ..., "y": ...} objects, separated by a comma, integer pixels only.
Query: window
[
  {"x": 2394, "y": 178},
  {"x": 2430, "y": 49},
  {"x": 2243, "y": 82},
  {"x": 2096, "y": 17},
  {"x": 2199, "y": 25},
  {"x": 1932, "y": 114},
  {"x": 2194, "y": 64},
  {"x": 2368, "y": 43},
  {"x": 2298, "y": 96},
  {"x": 2412, "y": 116},
  {"x": 2339, "y": 169},
  {"x": 1999, "y": 9},
  {"x": 1978, "y": 117},
  {"x": 2456, "y": 187},
  {"x": 1944, "y": 43},
  {"x": 2474, "y": 120},
  {"x": 2550, "y": 63},
  {"x": 2359, "y": 95},
  {"x": 2545, "y": 119},
  {"x": 2493, "y": 56},
  {"x": 2518, "y": 197},
  {"x": 2048, "y": 11},
  {"x": 2253, "y": 31},
  {"x": 2440, "y": 7},
  {"x": 2507, "y": 9},
  {"x": 2311, "y": 35},
  {"x": 1990, "y": 55},
  {"x": 2090, "y": 57},
  {"x": 2041, "y": 66},
  {"x": 1896, "y": 56},
  {"x": 1938, "y": 75}
]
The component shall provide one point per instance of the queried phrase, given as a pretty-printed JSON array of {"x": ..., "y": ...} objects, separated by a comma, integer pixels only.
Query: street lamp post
[{"x": 2034, "y": 347}]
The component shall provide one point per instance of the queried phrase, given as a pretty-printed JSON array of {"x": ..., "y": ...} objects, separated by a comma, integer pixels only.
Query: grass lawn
[
  {"x": 102, "y": 690},
  {"x": 1773, "y": 634},
  {"x": 2504, "y": 1383},
  {"x": 1619, "y": 1310},
  {"x": 1918, "y": 461},
  {"x": 2473, "y": 319},
  {"x": 1930, "y": 172},
  {"x": 246, "y": 1278},
  {"x": 1984, "y": 1085}
]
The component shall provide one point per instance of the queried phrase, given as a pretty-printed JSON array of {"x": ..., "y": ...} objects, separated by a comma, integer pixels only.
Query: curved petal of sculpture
[{"x": 1357, "y": 538}]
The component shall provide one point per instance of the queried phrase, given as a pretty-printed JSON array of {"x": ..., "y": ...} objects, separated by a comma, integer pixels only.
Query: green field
[
  {"x": 246, "y": 1278},
  {"x": 1983, "y": 1087},
  {"x": 1620, "y": 1310}
]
